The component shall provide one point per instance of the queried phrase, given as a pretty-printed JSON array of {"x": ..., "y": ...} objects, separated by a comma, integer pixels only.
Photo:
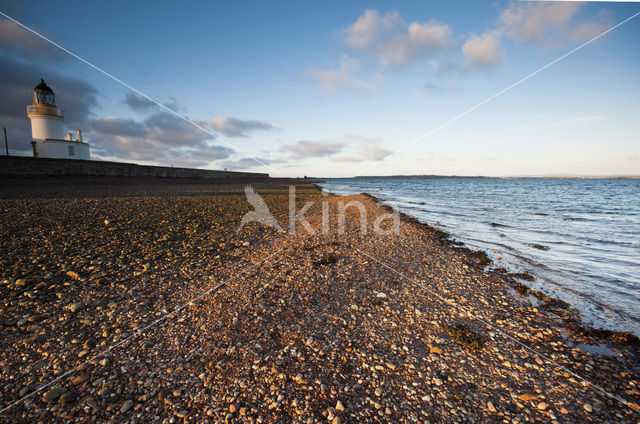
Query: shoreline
[
  {"x": 554, "y": 305},
  {"x": 304, "y": 328},
  {"x": 576, "y": 270}
]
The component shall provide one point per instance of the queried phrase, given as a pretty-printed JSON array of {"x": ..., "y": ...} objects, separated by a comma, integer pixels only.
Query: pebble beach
[{"x": 138, "y": 300}]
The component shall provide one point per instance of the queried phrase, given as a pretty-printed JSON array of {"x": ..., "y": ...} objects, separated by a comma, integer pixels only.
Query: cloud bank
[
  {"x": 543, "y": 24},
  {"x": 160, "y": 137},
  {"x": 396, "y": 44},
  {"x": 547, "y": 23},
  {"x": 313, "y": 149},
  {"x": 15, "y": 40},
  {"x": 355, "y": 148},
  {"x": 235, "y": 127}
]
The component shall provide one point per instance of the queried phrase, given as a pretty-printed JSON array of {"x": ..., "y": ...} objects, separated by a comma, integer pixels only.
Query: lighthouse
[{"x": 47, "y": 136}]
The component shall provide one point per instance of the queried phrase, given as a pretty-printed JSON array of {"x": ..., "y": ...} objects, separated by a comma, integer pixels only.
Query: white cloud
[
  {"x": 420, "y": 40},
  {"x": 526, "y": 22},
  {"x": 317, "y": 148},
  {"x": 547, "y": 23},
  {"x": 356, "y": 148},
  {"x": 367, "y": 28},
  {"x": 373, "y": 153},
  {"x": 333, "y": 79},
  {"x": 584, "y": 31},
  {"x": 235, "y": 127},
  {"x": 368, "y": 149},
  {"x": 394, "y": 42},
  {"x": 482, "y": 51}
]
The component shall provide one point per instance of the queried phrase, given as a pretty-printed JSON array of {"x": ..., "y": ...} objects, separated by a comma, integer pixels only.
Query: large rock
[
  {"x": 67, "y": 398},
  {"x": 54, "y": 393},
  {"x": 126, "y": 406},
  {"x": 76, "y": 307}
]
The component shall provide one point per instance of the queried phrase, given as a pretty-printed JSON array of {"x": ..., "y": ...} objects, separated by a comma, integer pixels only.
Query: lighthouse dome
[
  {"x": 43, "y": 94},
  {"x": 43, "y": 87}
]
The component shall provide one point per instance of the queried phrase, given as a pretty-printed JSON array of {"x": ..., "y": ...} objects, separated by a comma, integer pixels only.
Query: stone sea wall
[{"x": 17, "y": 166}]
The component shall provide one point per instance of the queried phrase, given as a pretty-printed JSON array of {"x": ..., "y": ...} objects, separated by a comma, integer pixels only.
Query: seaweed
[
  {"x": 560, "y": 313},
  {"x": 539, "y": 246},
  {"x": 466, "y": 336},
  {"x": 345, "y": 368},
  {"x": 625, "y": 338},
  {"x": 551, "y": 301},
  {"x": 439, "y": 234},
  {"x": 479, "y": 257},
  {"x": 521, "y": 288},
  {"x": 523, "y": 276},
  {"x": 328, "y": 259}
]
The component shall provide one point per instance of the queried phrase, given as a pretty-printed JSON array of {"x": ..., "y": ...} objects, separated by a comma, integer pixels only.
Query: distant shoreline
[{"x": 555, "y": 177}]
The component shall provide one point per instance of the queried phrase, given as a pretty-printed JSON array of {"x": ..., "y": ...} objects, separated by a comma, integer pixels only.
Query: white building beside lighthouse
[{"x": 47, "y": 136}]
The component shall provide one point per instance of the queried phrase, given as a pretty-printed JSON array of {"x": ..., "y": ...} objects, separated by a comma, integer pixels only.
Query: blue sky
[{"x": 333, "y": 88}]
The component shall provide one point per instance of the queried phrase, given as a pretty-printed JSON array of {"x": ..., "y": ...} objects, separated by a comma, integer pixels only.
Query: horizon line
[{"x": 557, "y": 176}]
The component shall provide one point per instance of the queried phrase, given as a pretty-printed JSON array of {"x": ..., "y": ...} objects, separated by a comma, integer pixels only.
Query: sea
[{"x": 579, "y": 238}]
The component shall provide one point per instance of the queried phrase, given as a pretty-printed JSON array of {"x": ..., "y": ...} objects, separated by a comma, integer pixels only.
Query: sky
[{"x": 334, "y": 88}]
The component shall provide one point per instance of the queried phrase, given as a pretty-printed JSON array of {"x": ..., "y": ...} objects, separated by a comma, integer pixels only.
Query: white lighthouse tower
[{"x": 48, "y": 139}]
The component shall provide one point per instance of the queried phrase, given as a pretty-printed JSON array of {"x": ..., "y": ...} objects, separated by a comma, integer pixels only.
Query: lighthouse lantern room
[{"x": 47, "y": 136}]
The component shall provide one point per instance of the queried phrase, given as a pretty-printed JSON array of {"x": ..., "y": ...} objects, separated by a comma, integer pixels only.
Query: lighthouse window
[
  {"x": 70, "y": 150},
  {"x": 44, "y": 97}
]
